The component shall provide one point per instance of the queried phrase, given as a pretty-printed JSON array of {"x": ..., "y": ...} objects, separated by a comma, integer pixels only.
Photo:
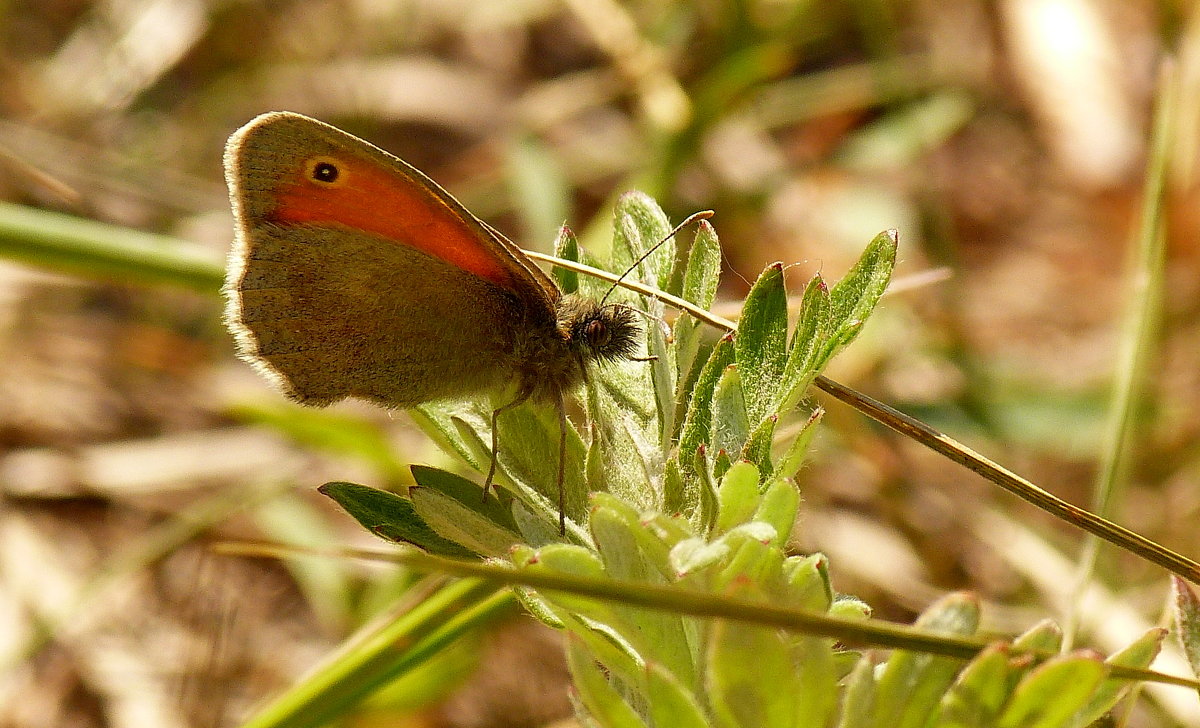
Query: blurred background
[{"x": 1006, "y": 140}]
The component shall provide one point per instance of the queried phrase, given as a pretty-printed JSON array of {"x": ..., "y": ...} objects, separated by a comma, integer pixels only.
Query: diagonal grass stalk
[{"x": 1138, "y": 325}]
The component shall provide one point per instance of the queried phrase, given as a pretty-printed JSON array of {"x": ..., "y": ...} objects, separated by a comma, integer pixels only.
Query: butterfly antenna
[
  {"x": 666, "y": 327},
  {"x": 702, "y": 215}
]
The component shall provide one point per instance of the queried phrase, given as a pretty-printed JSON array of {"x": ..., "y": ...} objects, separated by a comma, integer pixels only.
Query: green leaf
[
  {"x": 458, "y": 427},
  {"x": 796, "y": 453},
  {"x": 652, "y": 548},
  {"x": 706, "y": 517},
  {"x": 911, "y": 684},
  {"x": 758, "y": 445},
  {"x": 540, "y": 527},
  {"x": 858, "y": 697},
  {"x": 538, "y": 608},
  {"x": 655, "y": 634},
  {"x": 672, "y": 705},
  {"x": 638, "y": 225},
  {"x": 604, "y": 705},
  {"x": 854, "y": 297},
  {"x": 663, "y": 375},
  {"x": 591, "y": 620},
  {"x": 689, "y": 350},
  {"x": 523, "y": 555},
  {"x": 669, "y": 530},
  {"x": 751, "y": 681},
  {"x": 609, "y": 645},
  {"x": 806, "y": 579},
  {"x": 721, "y": 463},
  {"x": 527, "y": 464},
  {"x": 738, "y": 496},
  {"x": 1139, "y": 654},
  {"x": 497, "y": 507},
  {"x": 761, "y": 342},
  {"x": 844, "y": 662},
  {"x": 695, "y": 554},
  {"x": 1045, "y": 636},
  {"x": 641, "y": 227},
  {"x": 763, "y": 533},
  {"x": 596, "y": 288},
  {"x": 391, "y": 517},
  {"x": 730, "y": 421},
  {"x": 979, "y": 693},
  {"x": 625, "y": 402},
  {"x": 461, "y": 523},
  {"x": 602, "y": 617},
  {"x": 1052, "y": 692},
  {"x": 528, "y": 441},
  {"x": 568, "y": 559},
  {"x": 700, "y": 287},
  {"x": 679, "y": 496},
  {"x": 754, "y": 564},
  {"x": 778, "y": 507},
  {"x": 703, "y": 267},
  {"x": 566, "y": 246},
  {"x": 831, "y": 320},
  {"x": 812, "y": 331},
  {"x": 816, "y": 682},
  {"x": 620, "y": 460},
  {"x": 849, "y": 607},
  {"x": 697, "y": 425}
]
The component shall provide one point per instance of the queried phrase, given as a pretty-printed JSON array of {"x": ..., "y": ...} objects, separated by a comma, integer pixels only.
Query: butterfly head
[{"x": 598, "y": 332}]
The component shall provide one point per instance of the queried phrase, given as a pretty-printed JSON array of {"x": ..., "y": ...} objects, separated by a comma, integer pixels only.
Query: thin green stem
[
  {"x": 685, "y": 601},
  {"x": 1138, "y": 328}
]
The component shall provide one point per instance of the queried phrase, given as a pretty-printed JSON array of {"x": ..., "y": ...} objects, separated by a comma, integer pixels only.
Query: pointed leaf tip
[
  {"x": 392, "y": 517},
  {"x": 761, "y": 346}
]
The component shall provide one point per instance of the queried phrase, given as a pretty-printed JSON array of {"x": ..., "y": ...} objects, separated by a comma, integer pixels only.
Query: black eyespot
[{"x": 325, "y": 172}]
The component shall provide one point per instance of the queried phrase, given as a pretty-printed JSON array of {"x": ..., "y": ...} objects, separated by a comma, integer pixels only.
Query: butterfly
[{"x": 353, "y": 274}]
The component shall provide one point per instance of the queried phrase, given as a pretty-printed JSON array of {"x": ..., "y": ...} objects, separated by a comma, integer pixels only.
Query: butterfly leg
[{"x": 491, "y": 474}]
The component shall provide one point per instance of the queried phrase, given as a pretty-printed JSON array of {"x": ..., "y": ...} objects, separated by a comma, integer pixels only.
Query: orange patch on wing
[{"x": 392, "y": 206}]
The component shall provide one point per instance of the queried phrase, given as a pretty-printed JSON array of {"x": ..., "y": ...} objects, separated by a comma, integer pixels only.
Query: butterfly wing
[
  {"x": 354, "y": 274},
  {"x": 546, "y": 286}
]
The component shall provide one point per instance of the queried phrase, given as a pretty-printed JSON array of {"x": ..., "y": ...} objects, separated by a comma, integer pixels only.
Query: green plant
[{"x": 678, "y": 480}]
